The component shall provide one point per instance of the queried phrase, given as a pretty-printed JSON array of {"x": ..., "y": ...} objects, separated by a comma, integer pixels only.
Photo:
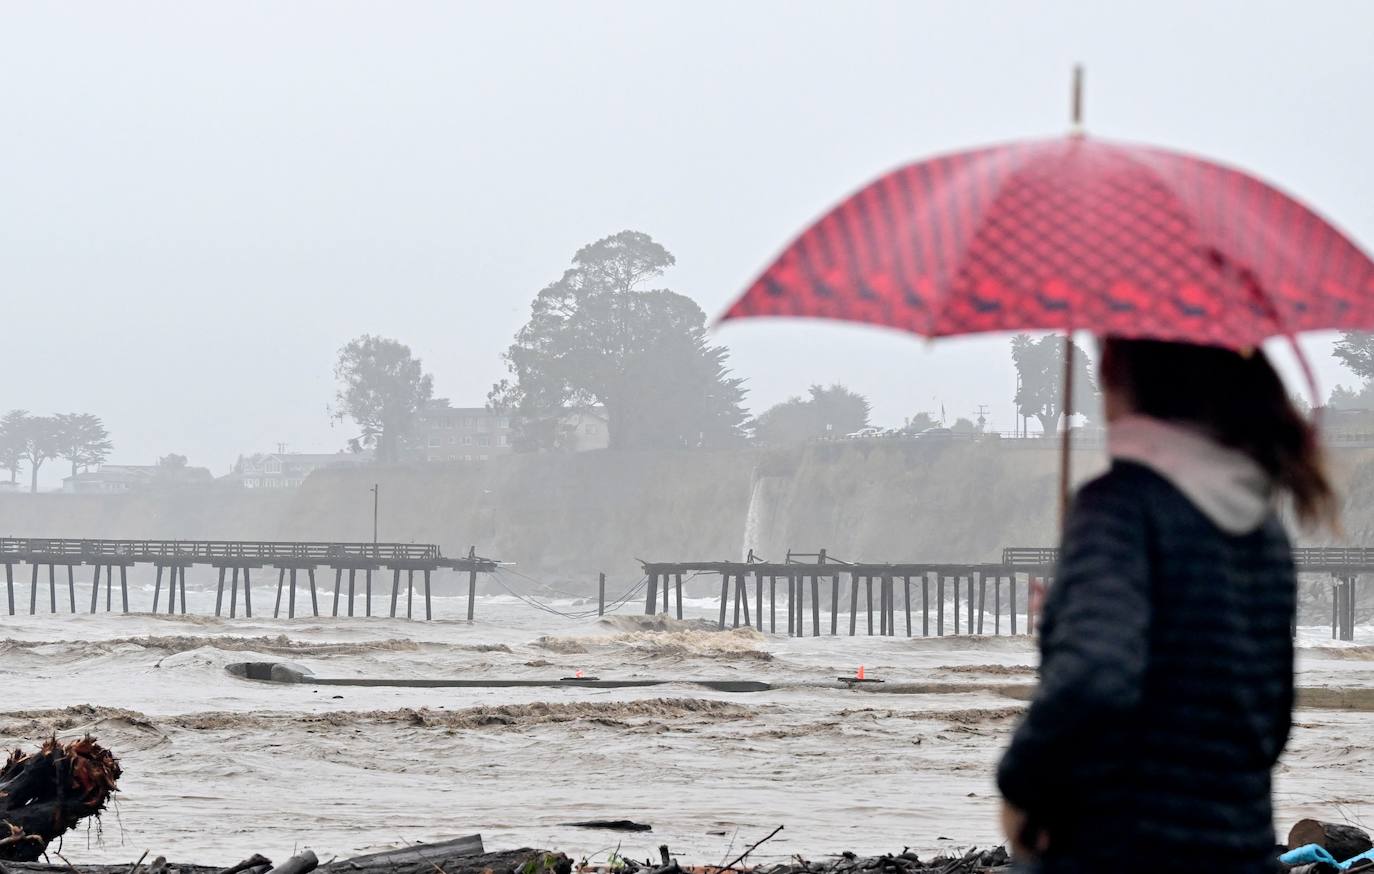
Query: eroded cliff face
[
  {"x": 600, "y": 511},
  {"x": 575, "y": 515}
]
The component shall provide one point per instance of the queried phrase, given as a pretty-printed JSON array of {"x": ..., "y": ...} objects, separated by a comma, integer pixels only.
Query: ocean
[{"x": 217, "y": 768}]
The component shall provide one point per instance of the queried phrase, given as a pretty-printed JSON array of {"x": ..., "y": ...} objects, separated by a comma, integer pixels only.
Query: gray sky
[{"x": 200, "y": 203}]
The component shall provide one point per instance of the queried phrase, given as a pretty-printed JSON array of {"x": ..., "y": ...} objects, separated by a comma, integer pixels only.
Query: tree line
[
  {"x": 26, "y": 439},
  {"x": 1355, "y": 349},
  {"x": 603, "y": 335},
  {"x": 598, "y": 337}
]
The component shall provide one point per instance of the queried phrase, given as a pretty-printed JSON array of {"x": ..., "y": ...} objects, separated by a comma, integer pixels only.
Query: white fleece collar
[{"x": 1228, "y": 486}]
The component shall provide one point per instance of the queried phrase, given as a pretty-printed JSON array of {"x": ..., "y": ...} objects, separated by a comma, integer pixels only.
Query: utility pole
[
  {"x": 1018, "y": 416},
  {"x": 982, "y": 416},
  {"x": 375, "y": 489}
]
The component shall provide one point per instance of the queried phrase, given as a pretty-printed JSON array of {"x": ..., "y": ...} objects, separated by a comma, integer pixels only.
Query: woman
[{"x": 1166, "y": 679}]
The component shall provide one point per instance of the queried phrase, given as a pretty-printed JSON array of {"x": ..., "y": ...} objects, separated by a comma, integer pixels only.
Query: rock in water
[{"x": 619, "y": 825}]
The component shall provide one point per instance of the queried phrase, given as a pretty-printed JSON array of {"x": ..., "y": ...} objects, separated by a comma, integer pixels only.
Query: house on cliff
[
  {"x": 447, "y": 433},
  {"x": 287, "y": 470},
  {"x": 117, "y": 479}
]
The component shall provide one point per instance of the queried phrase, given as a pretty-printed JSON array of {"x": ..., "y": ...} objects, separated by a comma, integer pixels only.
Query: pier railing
[
  {"x": 1309, "y": 559},
  {"x": 241, "y": 557},
  {"x": 208, "y": 550}
]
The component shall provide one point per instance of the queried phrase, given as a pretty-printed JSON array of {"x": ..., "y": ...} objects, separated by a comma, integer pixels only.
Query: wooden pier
[
  {"x": 958, "y": 598},
  {"x": 978, "y": 599},
  {"x": 235, "y": 560},
  {"x": 1343, "y": 563}
]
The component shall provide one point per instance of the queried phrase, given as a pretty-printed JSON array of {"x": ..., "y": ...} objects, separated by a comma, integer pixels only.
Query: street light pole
[{"x": 375, "y": 489}]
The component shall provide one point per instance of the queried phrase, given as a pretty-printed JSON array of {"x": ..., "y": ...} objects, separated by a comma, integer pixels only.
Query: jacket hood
[{"x": 1228, "y": 486}]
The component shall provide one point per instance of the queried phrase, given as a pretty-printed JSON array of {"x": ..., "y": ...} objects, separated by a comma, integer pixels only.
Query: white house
[{"x": 287, "y": 470}]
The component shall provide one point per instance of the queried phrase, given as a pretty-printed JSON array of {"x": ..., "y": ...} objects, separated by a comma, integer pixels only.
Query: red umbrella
[
  {"x": 1073, "y": 234},
  {"x": 1068, "y": 234}
]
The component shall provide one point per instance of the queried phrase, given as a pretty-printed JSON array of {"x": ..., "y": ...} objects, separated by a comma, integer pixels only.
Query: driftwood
[
  {"x": 994, "y": 861},
  {"x": 524, "y": 861},
  {"x": 301, "y": 863},
  {"x": 254, "y": 861},
  {"x": 44, "y": 794},
  {"x": 1342, "y": 841},
  {"x": 465, "y": 846},
  {"x": 974, "y": 861},
  {"x": 122, "y": 868}
]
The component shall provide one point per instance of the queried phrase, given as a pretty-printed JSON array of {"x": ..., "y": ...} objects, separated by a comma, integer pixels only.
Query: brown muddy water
[{"x": 218, "y": 767}]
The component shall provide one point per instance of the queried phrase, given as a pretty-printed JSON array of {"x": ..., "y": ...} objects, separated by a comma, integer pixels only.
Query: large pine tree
[{"x": 599, "y": 337}]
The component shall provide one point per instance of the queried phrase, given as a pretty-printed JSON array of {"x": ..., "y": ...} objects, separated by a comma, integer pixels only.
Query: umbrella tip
[{"x": 1077, "y": 111}]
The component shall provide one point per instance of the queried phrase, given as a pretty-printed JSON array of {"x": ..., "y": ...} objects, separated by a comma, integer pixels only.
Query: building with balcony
[
  {"x": 118, "y": 479},
  {"x": 448, "y": 433},
  {"x": 288, "y": 470}
]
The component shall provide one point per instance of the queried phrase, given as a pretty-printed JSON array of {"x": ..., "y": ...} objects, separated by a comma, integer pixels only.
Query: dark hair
[{"x": 1237, "y": 399}]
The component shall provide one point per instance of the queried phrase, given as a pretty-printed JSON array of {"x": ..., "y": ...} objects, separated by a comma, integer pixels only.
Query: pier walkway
[
  {"x": 986, "y": 597},
  {"x": 234, "y": 559}
]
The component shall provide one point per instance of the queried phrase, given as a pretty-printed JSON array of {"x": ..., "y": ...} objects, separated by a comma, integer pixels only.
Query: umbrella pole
[{"x": 1064, "y": 457}]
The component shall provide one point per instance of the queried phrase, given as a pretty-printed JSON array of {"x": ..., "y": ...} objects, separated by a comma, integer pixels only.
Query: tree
[
  {"x": 1355, "y": 349},
  {"x": 964, "y": 426},
  {"x": 598, "y": 337},
  {"x": 39, "y": 443},
  {"x": 529, "y": 430},
  {"x": 12, "y": 442},
  {"x": 384, "y": 389},
  {"x": 828, "y": 412},
  {"x": 82, "y": 440},
  {"x": 1040, "y": 380},
  {"x": 919, "y": 422},
  {"x": 172, "y": 469},
  {"x": 1343, "y": 398}
]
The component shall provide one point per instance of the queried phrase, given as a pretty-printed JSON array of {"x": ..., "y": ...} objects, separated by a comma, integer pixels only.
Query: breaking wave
[
  {"x": 627, "y": 715},
  {"x": 991, "y": 670},
  {"x": 281, "y": 644},
  {"x": 1349, "y": 653},
  {"x": 681, "y": 640},
  {"x": 661, "y": 622}
]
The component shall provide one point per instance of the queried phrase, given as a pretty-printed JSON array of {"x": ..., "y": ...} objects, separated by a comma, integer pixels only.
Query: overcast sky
[{"x": 201, "y": 202}]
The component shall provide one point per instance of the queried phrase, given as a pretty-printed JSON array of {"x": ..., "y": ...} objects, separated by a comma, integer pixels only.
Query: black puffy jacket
[{"x": 1166, "y": 687}]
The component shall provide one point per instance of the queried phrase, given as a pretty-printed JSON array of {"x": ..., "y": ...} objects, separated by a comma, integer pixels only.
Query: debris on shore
[
  {"x": 44, "y": 794},
  {"x": 420, "y": 859},
  {"x": 906, "y": 862},
  {"x": 972, "y": 862},
  {"x": 1316, "y": 847},
  {"x": 451, "y": 857}
]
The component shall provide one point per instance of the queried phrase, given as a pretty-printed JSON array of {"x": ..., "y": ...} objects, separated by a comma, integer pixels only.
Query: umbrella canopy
[{"x": 1070, "y": 234}]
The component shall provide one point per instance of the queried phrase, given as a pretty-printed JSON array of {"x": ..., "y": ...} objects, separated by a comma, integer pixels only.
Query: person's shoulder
[{"x": 1123, "y": 481}]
